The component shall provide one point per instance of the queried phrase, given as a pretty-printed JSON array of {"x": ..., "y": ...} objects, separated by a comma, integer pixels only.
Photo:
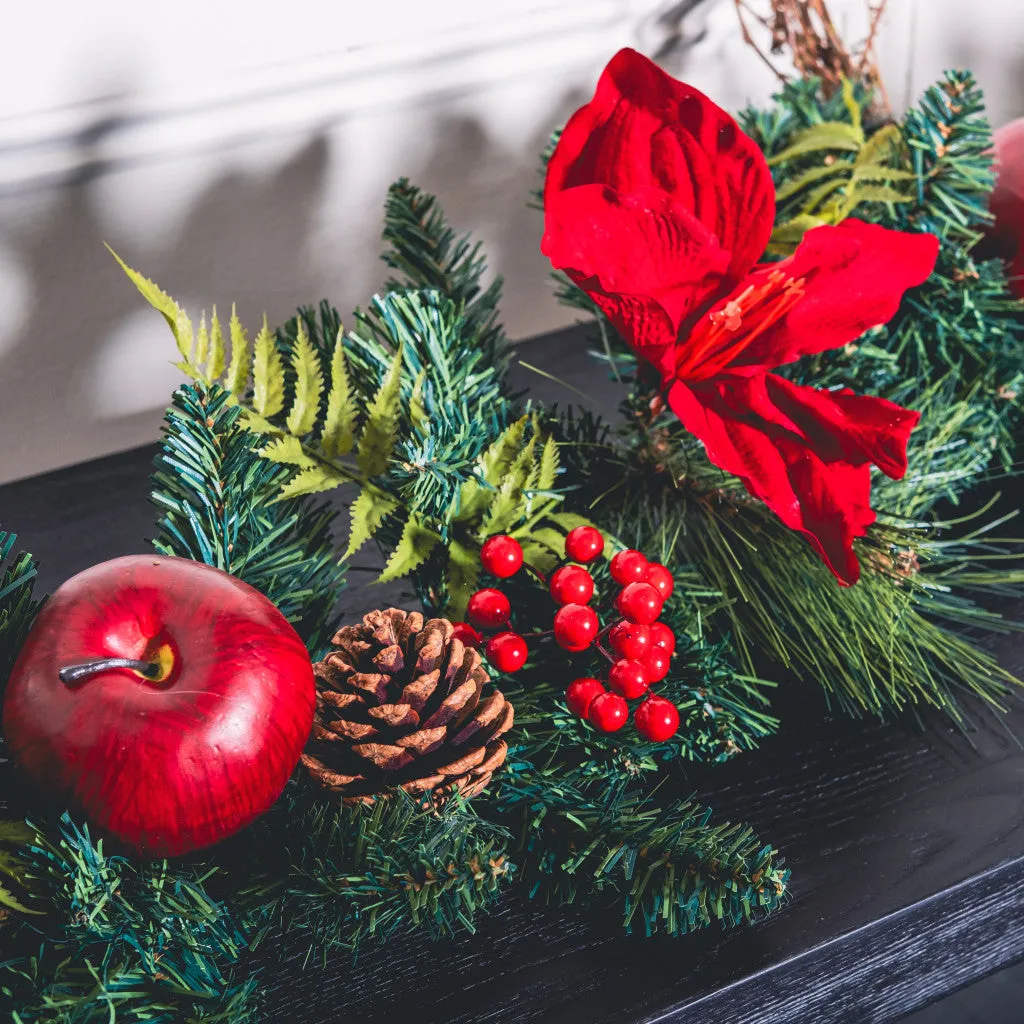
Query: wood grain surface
[{"x": 906, "y": 843}]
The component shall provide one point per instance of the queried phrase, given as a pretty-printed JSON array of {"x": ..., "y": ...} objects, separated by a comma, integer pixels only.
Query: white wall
[{"x": 241, "y": 151}]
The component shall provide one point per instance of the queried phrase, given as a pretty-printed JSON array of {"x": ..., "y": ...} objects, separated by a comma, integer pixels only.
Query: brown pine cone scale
[{"x": 401, "y": 705}]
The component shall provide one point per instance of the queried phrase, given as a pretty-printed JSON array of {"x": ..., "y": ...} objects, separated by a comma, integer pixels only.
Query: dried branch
[{"x": 805, "y": 30}]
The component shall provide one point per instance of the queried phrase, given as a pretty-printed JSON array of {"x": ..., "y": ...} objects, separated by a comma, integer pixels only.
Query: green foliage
[
  {"x": 216, "y": 500},
  {"x": 430, "y": 255},
  {"x": 368, "y": 871},
  {"x": 124, "y": 941},
  {"x": 17, "y": 606},
  {"x": 669, "y": 868},
  {"x": 831, "y": 169}
]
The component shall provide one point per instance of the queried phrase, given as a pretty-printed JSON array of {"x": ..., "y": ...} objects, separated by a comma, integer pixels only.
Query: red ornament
[
  {"x": 502, "y": 556},
  {"x": 656, "y": 719},
  {"x": 630, "y": 639},
  {"x": 507, "y": 652},
  {"x": 659, "y": 207},
  {"x": 164, "y": 700},
  {"x": 584, "y": 544},
  {"x": 581, "y": 692},
  {"x": 639, "y": 602},
  {"x": 467, "y": 634},
  {"x": 657, "y": 662},
  {"x": 571, "y": 585},
  {"x": 628, "y": 567},
  {"x": 661, "y": 579},
  {"x": 628, "y": 678},
  {"x": 663, "y": 637},
  {"x": 608, "y": 712},
  {"x": 576, "y": 625},
  {"x": 488, "y": 609}
]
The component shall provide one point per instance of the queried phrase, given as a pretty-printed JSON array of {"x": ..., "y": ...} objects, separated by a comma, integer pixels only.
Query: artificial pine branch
[
  {"x": 139, "y": 942},
  {"x": 17, "y": 607},
  {"x": 671, "y": 869},
  {"x": 216, "y": 498},
  {"x": 355, "y": 873},
  {"x": 429, "y": 254}
]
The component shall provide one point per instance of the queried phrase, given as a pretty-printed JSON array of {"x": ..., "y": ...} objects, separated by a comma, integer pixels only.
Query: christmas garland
[{"x": 674, "y": 564}]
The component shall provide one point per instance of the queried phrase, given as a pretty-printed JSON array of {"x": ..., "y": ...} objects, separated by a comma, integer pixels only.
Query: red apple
[{"x": 165, "y": 701}]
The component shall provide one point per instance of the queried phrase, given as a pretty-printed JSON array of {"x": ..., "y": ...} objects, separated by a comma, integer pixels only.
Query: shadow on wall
[{"x": 69, "y": 387}]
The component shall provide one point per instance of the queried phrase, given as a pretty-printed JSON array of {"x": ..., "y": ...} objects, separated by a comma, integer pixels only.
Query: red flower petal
[
  {"x": 805, "y": 453},
  {"x": 854, "y": 276},
  {"x": 643, "y": 260},
  {"x": 645, "y": 133}
]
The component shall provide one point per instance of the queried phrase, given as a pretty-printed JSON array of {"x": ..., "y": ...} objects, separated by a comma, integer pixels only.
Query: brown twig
[{"x": 805, "y": 30}]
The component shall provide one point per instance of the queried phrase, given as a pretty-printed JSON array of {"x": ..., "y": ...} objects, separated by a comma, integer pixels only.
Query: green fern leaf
[
  {"x": 462, "y": 576},
  {"x": 548, "y": 472},
  {"x": 507, "y": 506},
  {"x": 381, "y": 428},
  {"x": 474, "y": 496},
  {"x": 881, "y": 147},
  {"x": 809, "y": 177},
  {"x": 367, "y": 513},
  {"x": 215, "y": 364},
  {"x": 268, "y": 375},
  {"x": 310, "y": 481},
  {"x": 417, "y": 411},
  {"x": 569, "y": 520},
  {"x": 181, "y": 326},
  {"x": 869, "y": 193},
  {"x": 309, "y": 385},
  {"x": 413, "y": 549},
  {"x": 257, "y": 424},
  {"x": 288, "y": 451},
  {"x": 338, "y": 434},
  {"x": 852, "y": 106},
  {"x": 238, "y": 372},
  {"x": 820, "y": 137},
  {"x": 540, "y": 556},
  {"x": 817, "y": 196},
  {"x": 202, "y": 345}
]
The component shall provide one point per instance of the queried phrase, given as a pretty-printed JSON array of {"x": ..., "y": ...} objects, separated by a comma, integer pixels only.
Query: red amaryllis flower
[{"x": 658, "y": 207}]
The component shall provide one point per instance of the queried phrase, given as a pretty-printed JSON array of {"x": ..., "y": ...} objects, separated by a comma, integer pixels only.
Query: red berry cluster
[{"x": 642, "y": 646}]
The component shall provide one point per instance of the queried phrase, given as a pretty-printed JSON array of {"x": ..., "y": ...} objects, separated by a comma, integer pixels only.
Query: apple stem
[{"x": 76, "y": 673}]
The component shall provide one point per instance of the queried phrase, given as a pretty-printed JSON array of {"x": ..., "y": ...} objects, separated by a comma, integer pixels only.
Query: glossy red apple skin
[{"x": 171, "y": 767}]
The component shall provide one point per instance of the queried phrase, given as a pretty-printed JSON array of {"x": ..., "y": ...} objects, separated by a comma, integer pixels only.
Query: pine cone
[{"x": 399, "y": 706}]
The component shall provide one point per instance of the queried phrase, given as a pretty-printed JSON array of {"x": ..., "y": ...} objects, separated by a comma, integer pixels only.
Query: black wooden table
[{"x": 906, "y": 843}]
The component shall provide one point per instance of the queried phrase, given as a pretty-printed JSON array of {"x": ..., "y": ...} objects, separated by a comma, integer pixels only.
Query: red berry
[
  {"x": 630, "y": 639},
  {"x": 572, "y": 585},
  {"x": 661, "y": 579},
  {"x": 657, "y": 662},
  {"x": 628, "y": 678},
  {"x": 507, "y": 652},
  {"x": 608, "y": 712},
  {"x": 467, "y": 634},
  {"x": 639, "y": 602},
  {"x": 581, "y": 692},
  {"x": 488, "y": 609},
  {"x": 656, "y": 719},
  {"x": 576, "y": 626},
  {"x": 584, "y": 544},
  {"x": 501, "y": 555},
  {"x": 663, "y": 637},
  {"x": 629, "y": 566}
]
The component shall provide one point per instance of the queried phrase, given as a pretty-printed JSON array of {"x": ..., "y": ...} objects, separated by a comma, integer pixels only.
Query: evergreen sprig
[
  {"x": 430, "y": 254},
  {"x": 668, "y": 866},
  {"x": 18, "y": 607},
  {"x": 363, "y": 872},
  {"x": 216, "y": 498},
  {"x": 121, "y": 940}
]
